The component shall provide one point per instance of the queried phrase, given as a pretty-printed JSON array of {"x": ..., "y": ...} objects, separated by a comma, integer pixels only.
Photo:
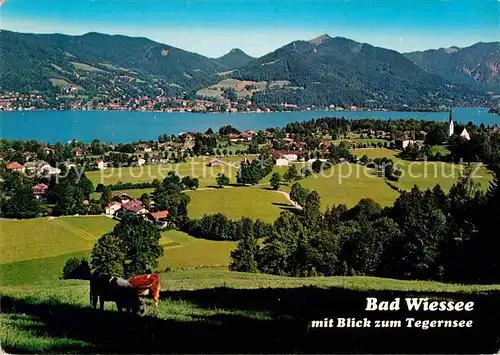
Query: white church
[{"x": 451, "y": 129}]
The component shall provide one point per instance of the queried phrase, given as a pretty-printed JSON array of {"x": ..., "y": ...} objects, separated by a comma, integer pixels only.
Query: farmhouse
[
  {"x": 112, "y": 208},
  {"x": 290, "y": 155},
  {"x": 15, "y": 166},
  {"x": 158, "y": 159},
  {"x": 100, "y": 164},
  {"x": 282, "y": 162},
  {"x": 29, "y": 156},
  {"x": 143, "y": 148},
  {"x": 403, "y": 143},
  {"x": 40, "y": 191},
  {"x": 214, "y": 162},
  {"x": 78, "y": 151},
  {"x": 134, "y": 206},
  {"x": 158, "y": 218},
  {"x": 124, "y": 198}
]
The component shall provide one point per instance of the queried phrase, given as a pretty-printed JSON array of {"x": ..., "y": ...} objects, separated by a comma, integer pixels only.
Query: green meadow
[
  {"x": 347, "y": 184},
  {"x": 225, "y": 312},
  {"x": 33, "y": 257},
  {"x": 237, "y": 202},
  {"x": 195, "y": 167}
]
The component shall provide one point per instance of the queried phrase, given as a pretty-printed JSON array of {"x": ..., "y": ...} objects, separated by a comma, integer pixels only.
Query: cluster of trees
[
  {"x": 132, "y": 248},
  {"x": 255, "y": 171},
  {"x": 427, "y": 235},
  {"x": 168, "y": 196},
  {"x": 483, "y": 146},
  {"x": 219, "y": 227},
  {"x": 69, "y": 194}
]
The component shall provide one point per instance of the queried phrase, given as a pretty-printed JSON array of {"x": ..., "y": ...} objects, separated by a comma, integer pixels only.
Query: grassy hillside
[
  {"x": 237, "y": 202},
  {"x": 37, "y": 258},
  {"x": 206, "y": 311}
]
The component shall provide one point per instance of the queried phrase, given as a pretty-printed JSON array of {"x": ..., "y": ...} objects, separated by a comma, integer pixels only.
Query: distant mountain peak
[
  {"x": 320, "y": 39},
  {"x": 452, "y": 49},
  {"x": 235, "y": 58}
]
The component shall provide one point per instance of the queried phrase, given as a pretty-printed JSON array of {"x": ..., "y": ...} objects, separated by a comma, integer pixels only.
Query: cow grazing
[
  {"x": 147, "y": 284},
  {"x": 118, "y": 290}
]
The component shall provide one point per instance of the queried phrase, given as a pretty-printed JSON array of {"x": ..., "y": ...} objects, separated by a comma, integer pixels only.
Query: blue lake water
[{"x": 126, "y": 126}]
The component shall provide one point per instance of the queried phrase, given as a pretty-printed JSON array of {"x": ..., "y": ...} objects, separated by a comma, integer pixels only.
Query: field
[
  {"x": 237, "y": 85},
  {"x": 224, "y": 312},
  {"x": 86, "y": 67},
  {"x": 147, "y": 173},
  {"x": 38, "y": 257},
  {"x": 59, "y": 82},
  {"x": 347, "y": 184},
  {"x": 52, "y": 237},
  {"x": 237, "y": 202}
]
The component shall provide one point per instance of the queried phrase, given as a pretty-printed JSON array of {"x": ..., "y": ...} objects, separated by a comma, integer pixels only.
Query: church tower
[{"x": 451, "y": 125}]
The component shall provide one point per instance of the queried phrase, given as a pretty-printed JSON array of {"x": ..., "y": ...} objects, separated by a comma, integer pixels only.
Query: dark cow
[{"x": 118, "y": 290}]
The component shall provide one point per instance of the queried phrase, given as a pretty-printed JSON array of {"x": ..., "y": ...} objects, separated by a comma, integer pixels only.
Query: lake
[{"x": 127, "y": 126}]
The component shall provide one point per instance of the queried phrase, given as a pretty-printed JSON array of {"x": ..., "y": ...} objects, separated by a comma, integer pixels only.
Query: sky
[{"x": 214, "y": 27}]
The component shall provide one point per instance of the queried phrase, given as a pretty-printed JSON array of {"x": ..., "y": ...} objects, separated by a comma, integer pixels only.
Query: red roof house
[
  {"x": 40, "y": 189},
  {"x": 15, "y": 166}
]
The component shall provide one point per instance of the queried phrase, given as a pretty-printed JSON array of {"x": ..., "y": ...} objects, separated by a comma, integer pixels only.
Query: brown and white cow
[
  {"x": 147, "y": 284},
  {"x": 112, "y": 288}
]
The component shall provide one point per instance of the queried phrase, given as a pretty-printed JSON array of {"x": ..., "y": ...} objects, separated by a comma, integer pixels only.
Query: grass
[
  {"x": 41, "y": 237},
  {"x": 195, "y": 167},
  {"x": 86, "y": 67},
  {"x": 429, "y": 174},
  {"x": 225, "y": 312},
  {"x": 192, "y": 253},
  {"x": 373, "y": 152},
  {"x": 439, "y": 148},
  {"x": 59, "y": 239},
  {"x": 237, "y": 202},
  {"x": 59, "y": 82},
  {"x": 347, "y": 184}
]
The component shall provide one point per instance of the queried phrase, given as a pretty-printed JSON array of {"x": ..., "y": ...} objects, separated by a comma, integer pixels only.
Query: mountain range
[
  {"x": 322, "y": 71},
  {"x": 477, "y": 65}
]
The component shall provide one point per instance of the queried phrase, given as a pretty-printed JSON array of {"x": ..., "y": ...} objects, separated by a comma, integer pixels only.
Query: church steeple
[{"x": 451, "y": 124}]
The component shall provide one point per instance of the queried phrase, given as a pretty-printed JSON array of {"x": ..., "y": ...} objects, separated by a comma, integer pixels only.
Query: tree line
[{"x": 428, "y": 235}]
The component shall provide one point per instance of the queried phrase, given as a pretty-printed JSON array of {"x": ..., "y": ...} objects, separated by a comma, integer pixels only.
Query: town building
[
  {"x": 15, "y": 166},
  {"x": 134, "y": 206},
  {"x": 282, "y": 162},
  {"x": 40, "y": 191},
  {"x": 100, "y": 164},
  {"x": 112, "y": 208},
  {"x": 465, "y": 134},
  {"x": 451, "y": 125},
  {"x": 160, "y": 218}
]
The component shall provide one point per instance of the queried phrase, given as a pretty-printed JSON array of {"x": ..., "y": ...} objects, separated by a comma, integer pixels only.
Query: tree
[
  {"x": 22, "y": 205},
  {"x": 275, "y": 181},
  {"x": 222, "y": 180},
  {"x": 145, "y": 199},
  {"x": 436, "y": 135},
  {"x": 243, "y": 259},
  {"x": 132, "y": 248},
  {"x": 298, "y": 194},
  {"x": 291, "y": 174},
  {"x": 75, "y": 268},
  {"x": 317, "y": 166},
  {"x": 108, "y": 255}
]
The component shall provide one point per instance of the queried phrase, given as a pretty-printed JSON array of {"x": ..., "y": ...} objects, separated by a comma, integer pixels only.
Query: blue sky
[{"x": 213, "y": 27}]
